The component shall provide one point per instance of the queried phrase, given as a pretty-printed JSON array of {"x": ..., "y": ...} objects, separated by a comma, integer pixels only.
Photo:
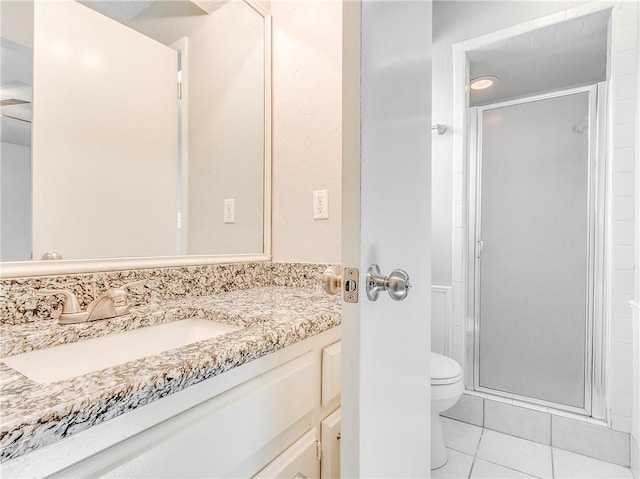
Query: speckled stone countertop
[{"x": 34, "y": 415}]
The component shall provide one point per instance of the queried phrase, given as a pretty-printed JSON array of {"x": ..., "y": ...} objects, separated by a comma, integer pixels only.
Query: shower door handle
[{"x": 479, "y": 246}]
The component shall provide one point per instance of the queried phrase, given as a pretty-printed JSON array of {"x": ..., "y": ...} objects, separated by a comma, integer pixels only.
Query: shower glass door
[{"x": 534, "y": 233}]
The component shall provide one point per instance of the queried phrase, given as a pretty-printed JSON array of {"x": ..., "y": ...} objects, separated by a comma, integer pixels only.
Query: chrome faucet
[{"x": 113, "y": 302}]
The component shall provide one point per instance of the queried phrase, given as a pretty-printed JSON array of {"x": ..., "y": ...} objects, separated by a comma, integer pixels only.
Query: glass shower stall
[{"x": 536, "y": 250}]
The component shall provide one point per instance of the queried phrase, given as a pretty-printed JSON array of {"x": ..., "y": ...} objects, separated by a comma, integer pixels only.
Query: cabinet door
[
  {"x": 330, "y": 435},
  {"x": 331, "y": 372},
  {"x": 299, "y": 461}
]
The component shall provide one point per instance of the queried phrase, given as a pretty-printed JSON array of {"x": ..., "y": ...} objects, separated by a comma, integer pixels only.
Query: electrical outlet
[
  {"x": 321, "y": 204},
  {"x": 230, "y": 211}
]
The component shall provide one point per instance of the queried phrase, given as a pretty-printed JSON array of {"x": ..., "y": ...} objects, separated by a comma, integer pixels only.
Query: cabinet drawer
[
  {"x": 215, "y": 437},
  {"x": 299, "y": 461},
  {"x": 331, "y": 372}
]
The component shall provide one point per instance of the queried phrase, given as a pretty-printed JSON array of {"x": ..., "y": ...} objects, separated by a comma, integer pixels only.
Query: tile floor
[{"x": 476, "y": 453}]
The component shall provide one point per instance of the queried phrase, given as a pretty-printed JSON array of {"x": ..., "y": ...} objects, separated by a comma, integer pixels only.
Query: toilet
[{"x": 447, "y": 385}]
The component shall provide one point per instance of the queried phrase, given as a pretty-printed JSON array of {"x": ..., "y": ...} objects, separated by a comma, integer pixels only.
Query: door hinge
[
  {"x": 179, "y": 90},
  {"x": 479, "y": 246},
  {"x": 318, "y": 450}
]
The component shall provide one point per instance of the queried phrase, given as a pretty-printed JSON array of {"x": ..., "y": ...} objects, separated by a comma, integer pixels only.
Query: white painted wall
[
  {"x": 441, "y": 312},
  {"x": 104, "y": 137},
  {"x": 226, "y": 131},
  {"x": 15, "y": 202},
  {"x": 307, "y": 127}
]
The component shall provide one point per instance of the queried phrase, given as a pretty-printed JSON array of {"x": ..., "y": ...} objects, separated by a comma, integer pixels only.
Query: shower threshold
[{"x": 536, "y": 404}]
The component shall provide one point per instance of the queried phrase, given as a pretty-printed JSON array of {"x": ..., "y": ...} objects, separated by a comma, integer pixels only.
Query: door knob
[
  {"x": 396, "y": 284},
  {"x": 332, "y": 280}
]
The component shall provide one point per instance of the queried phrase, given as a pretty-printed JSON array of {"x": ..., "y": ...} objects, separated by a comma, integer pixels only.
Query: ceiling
[
  {"x": 558, "y": 56},
  {"x": 166, "y": 21},
  {"x": 125, "y": 10},
  {"x": 118, "y": 10}
]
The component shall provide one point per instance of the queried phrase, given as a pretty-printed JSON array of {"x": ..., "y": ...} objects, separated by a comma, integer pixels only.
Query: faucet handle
[
  {"x": 120, "y": 298},
  {"x": 70, "y": 305}
]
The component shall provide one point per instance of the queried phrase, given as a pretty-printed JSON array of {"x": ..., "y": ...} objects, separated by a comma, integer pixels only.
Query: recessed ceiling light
[{"x": 480, "y": 83}]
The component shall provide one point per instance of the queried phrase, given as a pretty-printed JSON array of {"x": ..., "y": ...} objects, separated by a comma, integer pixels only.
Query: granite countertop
[{"x": 34, "y": 415}]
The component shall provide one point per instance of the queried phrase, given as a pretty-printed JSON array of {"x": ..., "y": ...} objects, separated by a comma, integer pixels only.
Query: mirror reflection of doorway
[{"x": 16, "y": 67}]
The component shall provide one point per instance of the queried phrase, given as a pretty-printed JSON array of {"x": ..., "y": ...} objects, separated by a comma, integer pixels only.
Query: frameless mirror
[{"x": 134, "y": 129}]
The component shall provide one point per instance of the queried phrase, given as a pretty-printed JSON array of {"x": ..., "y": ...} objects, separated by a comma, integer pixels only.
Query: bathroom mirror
[{"x": 147, "y": 129}]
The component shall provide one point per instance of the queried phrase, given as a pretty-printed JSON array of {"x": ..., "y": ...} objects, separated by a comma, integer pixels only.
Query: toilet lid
[{"x": 444, "y": 370}]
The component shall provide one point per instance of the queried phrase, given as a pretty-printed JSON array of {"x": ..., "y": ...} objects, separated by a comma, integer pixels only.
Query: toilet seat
[
  {"x": 444, "y": 382},
  {"x": 444, "y": 370}
]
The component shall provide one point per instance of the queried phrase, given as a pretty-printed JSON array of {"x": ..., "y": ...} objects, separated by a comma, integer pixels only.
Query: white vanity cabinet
[
  {"x": 330, "y": 439},
  {"x": 299, "y": 461},
  {"x": 224, "y": 433},
  {"x": 331, "y": 373},
  {"x": 266, "y": 418},
  {"x": 313, "y": 455}
]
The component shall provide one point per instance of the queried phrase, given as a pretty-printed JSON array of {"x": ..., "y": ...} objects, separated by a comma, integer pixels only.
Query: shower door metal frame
[{"x": 595, "y": 347}]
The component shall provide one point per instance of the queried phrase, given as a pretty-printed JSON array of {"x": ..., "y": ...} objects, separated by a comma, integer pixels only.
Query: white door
[{"x": 386, "y": 221}]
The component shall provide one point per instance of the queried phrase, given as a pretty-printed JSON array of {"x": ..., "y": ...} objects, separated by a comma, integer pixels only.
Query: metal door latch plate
[{"x": 350, "y": 285}]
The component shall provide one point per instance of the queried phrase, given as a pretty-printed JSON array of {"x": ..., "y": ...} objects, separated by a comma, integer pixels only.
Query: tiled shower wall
[
  {"x": 624, "y": 75},
  {"x": 635, "y": 318}
]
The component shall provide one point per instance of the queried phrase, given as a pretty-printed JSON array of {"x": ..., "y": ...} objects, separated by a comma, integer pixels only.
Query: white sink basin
[{"x": 75, "y": 359}]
